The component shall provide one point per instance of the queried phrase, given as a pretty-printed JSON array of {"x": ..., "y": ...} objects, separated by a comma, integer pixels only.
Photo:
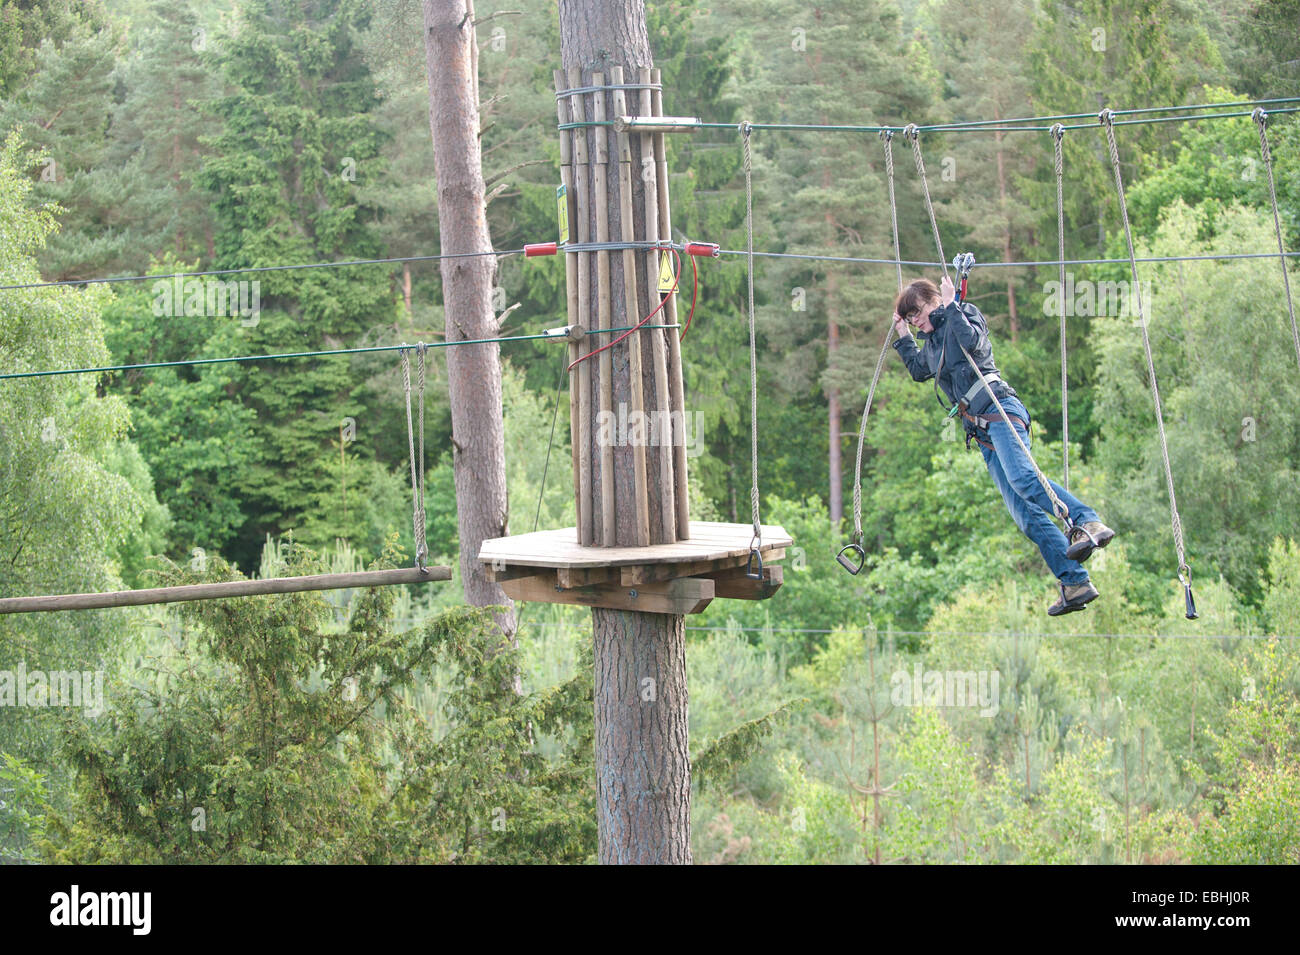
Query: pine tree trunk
[
  {"x": 473, "y": 371},
  {"x": 643, "y": 782},
  {"x": 643, "y": 769}
]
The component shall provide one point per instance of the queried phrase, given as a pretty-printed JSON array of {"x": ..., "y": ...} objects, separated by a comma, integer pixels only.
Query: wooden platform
[{"x": 552, "y": 567}]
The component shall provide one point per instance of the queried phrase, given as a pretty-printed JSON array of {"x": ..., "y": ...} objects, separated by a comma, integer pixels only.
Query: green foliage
[
  {"x": 174, "y": 152},
  {"x": 296, "y": 132},
  {"x": 716, "y": 764},
  {"x": 1226, "y": 371},
  {"x": 76, "y": 504},
  {"x": 1282, "y": 589},
  {"x": 274, "y": 735},
  {"x": 22, "y": 810},
  {"x": 939, "y": 816},
  {"x": 1257, "y": 782}
]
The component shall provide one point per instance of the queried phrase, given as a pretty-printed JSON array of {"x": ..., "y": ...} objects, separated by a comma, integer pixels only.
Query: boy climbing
[{"x": 950, "y": 326}]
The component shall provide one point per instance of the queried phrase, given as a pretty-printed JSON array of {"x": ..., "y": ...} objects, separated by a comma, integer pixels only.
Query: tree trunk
[
  {"x": 643, "y": 783},
  {"x": 643, "y": 769},
  {"x": 473, "y": 371}
]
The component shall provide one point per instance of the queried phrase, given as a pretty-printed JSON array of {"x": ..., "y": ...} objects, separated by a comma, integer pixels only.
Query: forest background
[{"x": 215, "y": 134}]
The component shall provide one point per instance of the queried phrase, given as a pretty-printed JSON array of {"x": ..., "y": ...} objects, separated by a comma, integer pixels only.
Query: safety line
[
  {"x": 306, "y": 354},
  {"x": 560, "y": 624},
  {"x": 258, "y": 268},
  {"x": 1223, "y": 256},
  {"x": 1011, "y": 125}
]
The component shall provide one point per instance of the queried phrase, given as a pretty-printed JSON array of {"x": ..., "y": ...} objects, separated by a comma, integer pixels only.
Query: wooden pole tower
[{"x": 634, "y": 557}]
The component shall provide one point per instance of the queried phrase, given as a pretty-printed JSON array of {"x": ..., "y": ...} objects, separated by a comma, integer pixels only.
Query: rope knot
[
  {"x": 1260, "y": 116},
  {"x": 1106, "y": 117},
  {"x": 911, "y": 132},
  {"x": 887, "y": 135},
  {"x": 1058, "y": 132}
]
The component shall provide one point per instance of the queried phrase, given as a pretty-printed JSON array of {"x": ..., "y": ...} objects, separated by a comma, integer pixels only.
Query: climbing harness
[
  {"x": 1107, "y": 120},
  {"x": 754, "y": 566},
  {"x": 417, "y": 464},
  {"x": 853, "y": 556},
  {"x": 1261, "y": 120}
]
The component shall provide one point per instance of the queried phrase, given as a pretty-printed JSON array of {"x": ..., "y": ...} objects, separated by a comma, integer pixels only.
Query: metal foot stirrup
[
  {"x": 852, "y": 557},
  {"x": 754, "y": 566}
]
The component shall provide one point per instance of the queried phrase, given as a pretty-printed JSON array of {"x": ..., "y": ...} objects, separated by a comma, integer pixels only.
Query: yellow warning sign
[
  {"x": 666, "y": 278},
  {"x": 562, "y": 205}
]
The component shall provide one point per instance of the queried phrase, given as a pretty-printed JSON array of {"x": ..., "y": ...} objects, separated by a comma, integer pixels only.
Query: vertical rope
[
  {"x": 1107, "y": 119},
  {"x": 745, "y": 130},
  {"x": 1261, "y": 120},
  {"x": 1058, "y": 132},
  {"x": 913, "y": 135},
  {"x": 886, "y": 137},
  {"x": 1058, "y": 507},
  {"x": 421, "y": 546},
  {"x": 417, "y": 469}
]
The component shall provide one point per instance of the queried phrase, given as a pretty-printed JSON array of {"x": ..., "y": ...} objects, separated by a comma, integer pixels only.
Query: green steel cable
[
  {"x": 259, "y": 268},
  {"x": 1004, "y": 125},
  {"x": 306, "y": 354}
]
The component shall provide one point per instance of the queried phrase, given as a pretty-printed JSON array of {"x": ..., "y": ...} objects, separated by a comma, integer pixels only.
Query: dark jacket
[{"x": 955, "y": 326}]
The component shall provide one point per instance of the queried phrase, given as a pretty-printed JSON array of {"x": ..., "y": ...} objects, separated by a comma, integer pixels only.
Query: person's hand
[
  {"x": 901, "y": 326},
  {"x": 946, "y": 290}
]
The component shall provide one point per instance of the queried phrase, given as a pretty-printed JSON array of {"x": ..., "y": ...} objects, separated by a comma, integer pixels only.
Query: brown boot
[
  {"x": 1073, "y": 597},
  {"x": 1085, "y": 538}
]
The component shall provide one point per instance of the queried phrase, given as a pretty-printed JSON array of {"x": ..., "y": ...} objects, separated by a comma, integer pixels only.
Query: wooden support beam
[
  {"x": 501, "y": 574},
  {"x": 232, "y": 588},
  {"x": 635, "y": 525},
  {"x": 563, "y": 114},
  {"x": 676, "y": 399},
  {"x": 664, "y": 518},
  {"x": 582, "y": 440},
  {"x": 604, "y": 308},
  {"x": 734, "y": 585},
  {"x": 683, "y": 596},
  {"x": 632, "y": 575},
  {"x": 570, "y": 577}
]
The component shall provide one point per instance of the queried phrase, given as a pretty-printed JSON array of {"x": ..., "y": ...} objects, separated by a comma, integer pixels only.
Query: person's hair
[{"x": 915, "y": 296}]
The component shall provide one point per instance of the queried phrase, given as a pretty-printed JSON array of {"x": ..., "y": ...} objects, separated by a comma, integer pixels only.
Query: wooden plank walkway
[{"x": 709, "y": 541}]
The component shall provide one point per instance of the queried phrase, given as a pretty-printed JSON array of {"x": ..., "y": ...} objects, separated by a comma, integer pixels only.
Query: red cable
[
  {"x": 695, "y": 291},
  {"x": 658, "y": 307}
]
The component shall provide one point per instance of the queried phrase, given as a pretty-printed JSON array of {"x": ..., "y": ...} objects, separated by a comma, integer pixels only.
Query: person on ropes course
[{"x": 950, "y": 326}]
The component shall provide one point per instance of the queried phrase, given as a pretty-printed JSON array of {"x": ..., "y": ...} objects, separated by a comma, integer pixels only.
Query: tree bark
[
  {"x": 643, "y": 768},
  {"x": 473, "y": 371},
  {"x": 643, "y": 782}
]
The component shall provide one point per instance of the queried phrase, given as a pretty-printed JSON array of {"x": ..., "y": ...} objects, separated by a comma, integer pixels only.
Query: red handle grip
[
  {"x": 703, "y": 248},
  {"x": 540, "y": 248}
]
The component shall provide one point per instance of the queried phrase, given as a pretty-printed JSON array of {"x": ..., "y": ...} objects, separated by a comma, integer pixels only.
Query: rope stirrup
[{"x": 855, "y": 545}]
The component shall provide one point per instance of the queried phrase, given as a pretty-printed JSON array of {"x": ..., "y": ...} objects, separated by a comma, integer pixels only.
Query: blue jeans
[{"x": 1030, "y": 507}]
